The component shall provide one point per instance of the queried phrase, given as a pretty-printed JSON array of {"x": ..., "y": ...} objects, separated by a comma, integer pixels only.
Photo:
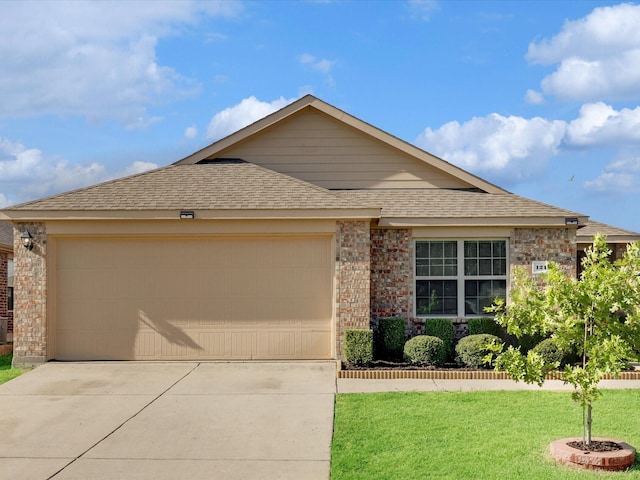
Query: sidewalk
[{"x": 352, "y": 385}]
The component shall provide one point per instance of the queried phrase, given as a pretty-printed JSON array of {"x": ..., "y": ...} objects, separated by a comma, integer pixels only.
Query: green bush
[
  {"x": 486, "y": 325},
  {"x": 443, "y": 329},
  {"x": 390, "y": 341},
  {"x": 471, "y": 350},
  {"x": 358, "y": 347},
  {"x": 425, "y": 350},
  {"x": 551, "y": 352}
]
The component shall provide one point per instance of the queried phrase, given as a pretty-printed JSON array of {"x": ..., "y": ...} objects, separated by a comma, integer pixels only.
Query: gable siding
[{"x": 314, "y": 148}]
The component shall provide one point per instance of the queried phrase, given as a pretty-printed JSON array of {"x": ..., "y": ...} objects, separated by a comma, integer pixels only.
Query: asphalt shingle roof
[
  {"x": 593, "y": 227},
  {"x": 442, "y": 203},
  {"x": 219, "y": 185}
]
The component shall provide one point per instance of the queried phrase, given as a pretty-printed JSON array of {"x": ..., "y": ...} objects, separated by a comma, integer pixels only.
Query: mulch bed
[
  {"x": 398, "y": 365},
  {"x": 596, "y": 446}
]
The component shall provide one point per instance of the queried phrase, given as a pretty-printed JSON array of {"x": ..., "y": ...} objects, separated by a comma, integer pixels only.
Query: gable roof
[
  {"x": 443, "y": 207},
  {"x": 614, "y": 234},
  {"x": 225, "y": 188},
  {"x": 311, "y": 102}
]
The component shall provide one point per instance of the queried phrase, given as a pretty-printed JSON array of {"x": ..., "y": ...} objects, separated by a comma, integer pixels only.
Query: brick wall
[
  {"x": 353, "y": 263},
  {"x": 543, "y": 244},
  {"x": 30, "y": 292},
  {"x": 4, "y": 271},
  {"x": 392, "y": 270}
]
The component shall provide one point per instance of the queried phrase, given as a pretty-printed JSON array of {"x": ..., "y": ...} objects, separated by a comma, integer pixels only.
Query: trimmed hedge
[
  {"x": 425, "y": 350},
  {"x": 549, "y": 350},
  {"x": 443, "y": 329},
  {"x": 485, "y": 325},
  {"x": 390, "y": 339},
  {"x": 471, "y": 350},
  {"x": 358, "y": 347}
]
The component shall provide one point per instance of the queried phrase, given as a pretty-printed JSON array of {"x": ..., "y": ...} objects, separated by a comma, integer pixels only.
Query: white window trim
[{"x": 460, "y": 277}]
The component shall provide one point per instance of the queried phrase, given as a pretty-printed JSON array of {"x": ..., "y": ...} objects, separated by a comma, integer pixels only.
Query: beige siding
[
  {"x": 210, "y": 298},
  {"x": 315, "y": 148}
]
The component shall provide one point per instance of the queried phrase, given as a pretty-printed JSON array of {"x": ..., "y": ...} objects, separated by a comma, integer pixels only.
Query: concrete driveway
[{"x": 129, "y": 420}]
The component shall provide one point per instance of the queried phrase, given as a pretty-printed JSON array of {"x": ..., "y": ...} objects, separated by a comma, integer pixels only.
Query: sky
[{"x": 539, "y": 97}]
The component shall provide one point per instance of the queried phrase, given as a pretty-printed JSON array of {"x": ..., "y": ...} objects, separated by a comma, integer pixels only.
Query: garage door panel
[{"x": 213, "y": 298}]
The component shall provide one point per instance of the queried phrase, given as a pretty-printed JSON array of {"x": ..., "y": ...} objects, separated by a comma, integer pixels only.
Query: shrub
[
  {"x": 472, "y": 349},
  {"x": 390, "y": 338},
  {"x": 358, "y": 347},
  {"x": 425, "y": 350},
  {"x": 486, "y": 325},
  {"x": 443, "y": 329},
  {"x": 549, "y": 350}
]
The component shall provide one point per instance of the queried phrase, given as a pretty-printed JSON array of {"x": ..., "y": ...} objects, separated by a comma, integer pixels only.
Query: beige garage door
[{"x": 213, "y": 298}]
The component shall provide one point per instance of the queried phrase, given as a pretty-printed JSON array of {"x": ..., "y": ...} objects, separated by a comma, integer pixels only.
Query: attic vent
[{"x": 218, "y": 161}]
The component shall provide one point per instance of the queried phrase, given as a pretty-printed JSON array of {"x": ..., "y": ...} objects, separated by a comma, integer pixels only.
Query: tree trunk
[{"x": 588, "y": 425}]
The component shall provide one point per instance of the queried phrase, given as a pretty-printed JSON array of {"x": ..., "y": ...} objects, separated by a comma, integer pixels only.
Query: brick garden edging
[
  {"x": 380, "y": 374},
  {"x": 612, "y": 461}
]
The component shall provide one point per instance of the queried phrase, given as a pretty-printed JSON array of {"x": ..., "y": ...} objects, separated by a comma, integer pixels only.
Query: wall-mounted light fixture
[
  {"x": 187, "y": 214},
  {"x": 571, "y": 221},
  {"x": 27, "y": 240}
]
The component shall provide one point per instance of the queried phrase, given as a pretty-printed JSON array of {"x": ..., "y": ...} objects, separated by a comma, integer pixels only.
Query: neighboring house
[
  {"x": 269, "y": 244},
  {"x": 6, "y": 279}
]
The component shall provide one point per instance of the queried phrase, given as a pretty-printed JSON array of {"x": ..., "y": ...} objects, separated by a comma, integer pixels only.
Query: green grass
[
  {"x": 471, "y": 435},
  {"x": 6, "y": 372}
]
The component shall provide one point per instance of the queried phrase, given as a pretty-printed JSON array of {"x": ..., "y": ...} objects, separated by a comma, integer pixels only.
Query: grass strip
[{"x": 475, "y": 435}]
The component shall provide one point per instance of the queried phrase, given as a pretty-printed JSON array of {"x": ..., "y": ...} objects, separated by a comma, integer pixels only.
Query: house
[{"x": 269, "y": 244}]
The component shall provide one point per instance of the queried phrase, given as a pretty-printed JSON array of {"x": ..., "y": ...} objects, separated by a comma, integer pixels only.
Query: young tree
[{"x": 597, "y": 315}]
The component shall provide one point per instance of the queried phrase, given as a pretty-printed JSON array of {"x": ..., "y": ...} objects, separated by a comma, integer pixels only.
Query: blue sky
[{"x": 542, "y": 98}]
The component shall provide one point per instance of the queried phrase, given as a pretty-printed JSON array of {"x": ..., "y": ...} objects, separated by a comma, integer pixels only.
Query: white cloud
[
  {"x": 598, "y": 56},
  {"x": 191, "y": 132},
  {"x": 95, "y": 59},
  {"x": 239, "y": 116},
  {"x": 27, "y": 174},
  {"x": 600, "y": 124},
  {"x": 533, "y": 97},
  {"x": 511, "y": 149},
  {"x": 321, "y": 65},
  {"x": 618, "y": 177},
  {"x": 422, "y": 9}
]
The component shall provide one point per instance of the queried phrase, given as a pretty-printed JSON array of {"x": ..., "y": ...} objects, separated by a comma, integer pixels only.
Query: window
[
  {"x": 10, "y": 285},
  {"x": 459, "y": 277}
]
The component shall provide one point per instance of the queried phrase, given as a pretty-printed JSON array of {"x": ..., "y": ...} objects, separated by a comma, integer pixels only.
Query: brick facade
[
  {"x": 4, "y": 272},
  {"x": 30, "y": 291},
  {"x": 353, "y": 264},
  {"x": 543, "y": 244},
  {"x": 392, "y": 284}
]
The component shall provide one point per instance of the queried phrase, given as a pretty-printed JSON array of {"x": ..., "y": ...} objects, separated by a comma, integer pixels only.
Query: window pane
[
  {"x": 484, "y": 249},
  {"x": 470, "y": 249},
  {"x": 422, "y": 249},
  {"x": 484, "y": 266},
  {"x": 10, "y": 298},
  {"x": 436, "y": 250},
  {"x": 499, "y": 267},
  {"x": 422, "y": 267},
  {"x": 500, "y": 249},
  {"x": 436, "y": 297},
  {"x": 470, "y": 266},
  {"x": 481, "y": 293},
  {"x": 451, "y": 249}
]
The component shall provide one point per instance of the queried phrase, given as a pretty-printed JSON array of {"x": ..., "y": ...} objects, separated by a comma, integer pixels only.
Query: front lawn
[
  {"x": 474, "y": 435},
  {"x": 6, "y": 372}
]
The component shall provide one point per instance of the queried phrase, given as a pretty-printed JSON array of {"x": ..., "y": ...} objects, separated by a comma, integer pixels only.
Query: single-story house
[
  {"x": 269, "y": 244},
  {"x": 6, "y": 280}
]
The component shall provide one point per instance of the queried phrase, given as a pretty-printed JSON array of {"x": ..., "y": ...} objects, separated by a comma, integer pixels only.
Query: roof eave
[
  {"x": 516, "y": 222},
  {"x": 203, "y": 214}
]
